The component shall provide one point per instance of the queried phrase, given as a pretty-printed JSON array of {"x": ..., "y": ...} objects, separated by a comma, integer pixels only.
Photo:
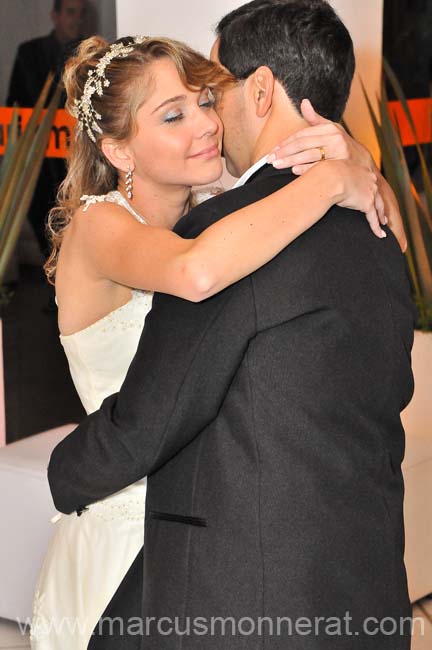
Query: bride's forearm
[
  {"x": 247, "y": 239},
  {"x": 157, "y": 259}
]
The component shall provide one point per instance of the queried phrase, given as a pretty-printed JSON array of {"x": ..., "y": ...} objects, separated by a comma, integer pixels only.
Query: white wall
[
  {"x": 193, "y": 21},
  {"x": 364, "y": 19}
]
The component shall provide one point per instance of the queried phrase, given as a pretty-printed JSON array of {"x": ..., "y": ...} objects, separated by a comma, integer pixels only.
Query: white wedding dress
[{"x": 90, "y": 554}]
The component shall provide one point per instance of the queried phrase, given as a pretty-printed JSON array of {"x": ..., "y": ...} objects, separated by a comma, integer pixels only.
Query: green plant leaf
[
  {"x": 423, "y": 261},
  {"x": 416, "y": 216}
]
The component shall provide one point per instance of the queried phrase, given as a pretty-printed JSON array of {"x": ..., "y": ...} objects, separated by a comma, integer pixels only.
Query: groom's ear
[
  {"x": 262, "y": 89},
  {"x": 117, "y": 154}
]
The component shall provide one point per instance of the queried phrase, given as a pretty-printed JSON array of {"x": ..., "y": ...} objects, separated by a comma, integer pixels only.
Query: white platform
[
  {"x": 417, "y": 471},
  {"x": 26, "y": 509}
]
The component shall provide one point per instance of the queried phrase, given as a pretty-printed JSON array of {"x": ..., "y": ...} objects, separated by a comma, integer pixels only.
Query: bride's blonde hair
[{"x": 89, "y": 172}]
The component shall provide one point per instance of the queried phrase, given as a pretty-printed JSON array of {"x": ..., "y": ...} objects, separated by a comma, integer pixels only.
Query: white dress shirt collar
[{"x": 251, "y": 171}]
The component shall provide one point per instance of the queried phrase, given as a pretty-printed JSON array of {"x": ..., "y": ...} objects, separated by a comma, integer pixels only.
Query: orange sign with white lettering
[{"x": 61, "y": 132}]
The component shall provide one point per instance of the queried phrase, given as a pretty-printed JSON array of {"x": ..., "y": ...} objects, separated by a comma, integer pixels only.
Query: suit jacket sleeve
[{"x": 187, "y": 357}]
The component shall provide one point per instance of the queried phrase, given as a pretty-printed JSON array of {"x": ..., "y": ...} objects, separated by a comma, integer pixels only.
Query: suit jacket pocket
[{"x": 182, "y": 519}]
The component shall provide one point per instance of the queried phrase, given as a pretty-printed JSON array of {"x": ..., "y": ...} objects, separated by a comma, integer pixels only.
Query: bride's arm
[
  {"x": 304, "y": 149},
  {"x": 121, "y": 250}
]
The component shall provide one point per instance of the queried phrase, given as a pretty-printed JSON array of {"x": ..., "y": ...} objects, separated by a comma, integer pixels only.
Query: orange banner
[
  {"x": 61, "y": 131},
  {"x": 421, "y": 111}
]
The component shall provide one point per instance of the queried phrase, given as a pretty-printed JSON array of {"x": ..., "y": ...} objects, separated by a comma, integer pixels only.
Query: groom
[{"x": 267, "y": 417}]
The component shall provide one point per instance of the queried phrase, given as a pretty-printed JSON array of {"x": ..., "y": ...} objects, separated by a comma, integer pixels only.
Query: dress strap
[{"x": 112, "y": 197}]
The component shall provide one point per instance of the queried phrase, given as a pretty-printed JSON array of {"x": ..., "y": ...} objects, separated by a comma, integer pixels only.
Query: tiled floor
[{"x": 11, "y": 637}]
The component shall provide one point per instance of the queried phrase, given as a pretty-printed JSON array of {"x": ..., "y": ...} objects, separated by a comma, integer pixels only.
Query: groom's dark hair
[{"x": 303, "y": 42}]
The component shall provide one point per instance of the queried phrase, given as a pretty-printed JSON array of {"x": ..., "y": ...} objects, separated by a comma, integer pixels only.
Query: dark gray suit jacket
[{"x": 267, "y": 420}]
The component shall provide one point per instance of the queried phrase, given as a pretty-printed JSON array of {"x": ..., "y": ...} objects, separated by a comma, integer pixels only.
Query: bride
[{"x": 148, "y": 132}]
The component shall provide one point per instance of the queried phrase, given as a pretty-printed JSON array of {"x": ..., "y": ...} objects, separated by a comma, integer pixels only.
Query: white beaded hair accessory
[{"x": 86, "y": 115}]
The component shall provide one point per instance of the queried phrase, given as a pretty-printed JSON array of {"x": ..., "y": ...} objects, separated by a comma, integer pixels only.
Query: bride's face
[{"x": 179, "y": 135}]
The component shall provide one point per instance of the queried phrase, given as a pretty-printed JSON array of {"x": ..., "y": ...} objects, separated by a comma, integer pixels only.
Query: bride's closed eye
[
  {"x": 210, "y": 102},
  {"x": 174, "y": 118}
]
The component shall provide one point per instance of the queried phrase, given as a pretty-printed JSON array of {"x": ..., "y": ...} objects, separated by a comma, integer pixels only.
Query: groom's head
[{"x": 281, "y": 52}]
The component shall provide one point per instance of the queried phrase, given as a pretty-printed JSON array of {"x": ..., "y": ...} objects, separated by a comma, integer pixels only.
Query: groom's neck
[{"x": 279, "y": 127}]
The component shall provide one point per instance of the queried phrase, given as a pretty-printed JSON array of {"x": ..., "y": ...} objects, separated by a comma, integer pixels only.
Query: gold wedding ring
[{"x": 323, "y": 156}]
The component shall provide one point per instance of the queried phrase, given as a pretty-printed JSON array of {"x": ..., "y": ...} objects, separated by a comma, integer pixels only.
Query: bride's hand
[
  {"x": 305, "y": 148},
  {"x": 323, "y": 139},
  {"x": 358, "y": 190}
]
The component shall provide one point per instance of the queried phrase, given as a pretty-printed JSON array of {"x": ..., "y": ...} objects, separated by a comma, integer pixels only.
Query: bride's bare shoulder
[{"x": 94, "y": 219}]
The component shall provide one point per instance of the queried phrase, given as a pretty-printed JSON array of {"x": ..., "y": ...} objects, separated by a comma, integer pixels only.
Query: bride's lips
[{"x": 210, "y": 152}]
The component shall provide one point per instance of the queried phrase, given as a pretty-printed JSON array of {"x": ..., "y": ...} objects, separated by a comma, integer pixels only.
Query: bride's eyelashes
[
  {"x": 208, "y": 104},
  {"x": 174, "y": 118}
]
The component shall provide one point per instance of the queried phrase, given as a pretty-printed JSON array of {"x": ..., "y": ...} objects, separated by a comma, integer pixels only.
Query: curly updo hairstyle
[{"x": 89, "y": 171}]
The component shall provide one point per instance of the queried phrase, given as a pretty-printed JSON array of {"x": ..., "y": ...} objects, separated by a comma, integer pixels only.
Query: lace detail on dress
[
  {"x": 39, "y": 627},
  {"x": 129, "y": 508},
  {"x": 122, "y": 506},
  {"x": 112, "y": 197},
  {"x": 113, "y": 321}
]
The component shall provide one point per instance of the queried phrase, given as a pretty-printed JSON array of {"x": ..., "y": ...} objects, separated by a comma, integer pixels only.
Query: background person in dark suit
[
  {"x": 33, "y": 62},
  {"x": 267, "y": 418}
]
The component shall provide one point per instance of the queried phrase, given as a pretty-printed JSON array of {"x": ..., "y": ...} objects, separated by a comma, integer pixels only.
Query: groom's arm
[{"x": 186, "y": 359}]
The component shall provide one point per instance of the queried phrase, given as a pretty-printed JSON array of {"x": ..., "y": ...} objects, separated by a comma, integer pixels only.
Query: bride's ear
[{"x": 117, "y": 154}]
